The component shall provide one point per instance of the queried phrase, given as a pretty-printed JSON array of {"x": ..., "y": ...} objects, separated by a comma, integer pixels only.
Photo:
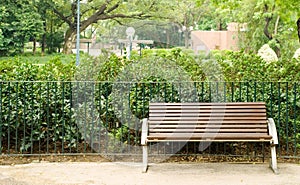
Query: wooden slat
[
  {"x": 200, "y": 104},
  {"x": 197, "y": 130},
  {"x": 208, "y": 126},
  {"x": 176, "y": 105},
  {"x": 194, "y": 109},
  {"x": 207, "y": 110},
  {"x": 220, "y": 109},
  {"x": 213, "y": 136},
  {"x": 205, "y": 114},
  {"x": 209, "y": 140},
  {"x": 206, "y": 118},
  {"x": 205, "y": 122},
  {"x": 208, "y": 106},
  {"x": 202, "y": 121}
]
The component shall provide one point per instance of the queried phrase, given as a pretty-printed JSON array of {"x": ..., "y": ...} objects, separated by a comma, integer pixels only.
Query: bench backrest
[{"x": 206, "y": 121}]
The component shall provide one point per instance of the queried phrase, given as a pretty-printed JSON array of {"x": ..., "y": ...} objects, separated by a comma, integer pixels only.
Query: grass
[{"x": 40, "y": 59}]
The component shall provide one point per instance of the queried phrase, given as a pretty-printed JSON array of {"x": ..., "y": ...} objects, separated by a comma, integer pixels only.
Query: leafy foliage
[
  {"x": 18, "y": 24},
  {"x": 239, "y": 66},
  {"x": 41, "y": 105}
]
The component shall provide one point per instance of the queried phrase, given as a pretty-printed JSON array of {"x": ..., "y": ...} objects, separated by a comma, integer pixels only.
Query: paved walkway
[{"x": 107, "y": 173}]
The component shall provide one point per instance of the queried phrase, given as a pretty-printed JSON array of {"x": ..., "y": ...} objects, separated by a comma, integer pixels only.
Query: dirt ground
[{"x": 114, "y": 173}]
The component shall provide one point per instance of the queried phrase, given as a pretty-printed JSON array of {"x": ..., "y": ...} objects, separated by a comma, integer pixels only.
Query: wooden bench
[{"x": 208, "y": 122}]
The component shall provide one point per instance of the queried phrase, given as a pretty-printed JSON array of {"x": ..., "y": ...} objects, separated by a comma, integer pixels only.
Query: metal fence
[{"x": 73, "y": 118}]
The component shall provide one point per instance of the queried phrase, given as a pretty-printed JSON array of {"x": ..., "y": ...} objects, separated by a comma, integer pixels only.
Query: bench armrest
[
  {"x": 144, "y": 132},
  {"x": 272, "y": 130}
]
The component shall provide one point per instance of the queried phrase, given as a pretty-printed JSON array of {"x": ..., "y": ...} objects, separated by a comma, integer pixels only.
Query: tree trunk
[
  {"x": 34, "y": 46},
  {"x": 219, "y": 25},
  {"x": 266, "y": 28},
  {"x": 186, "y": 39},
  {"x": 68, "y": 43},
  {"x": 268, "y": 34},
  {"x": 276, "y": 25},
  {"x": 298, "y": 26},
  {"x": 168, "y": 39},
  {"x": 44, "y": 38}
]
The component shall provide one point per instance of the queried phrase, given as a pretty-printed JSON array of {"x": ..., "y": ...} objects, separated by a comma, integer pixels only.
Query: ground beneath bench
[{"x": 114, "y": 173}]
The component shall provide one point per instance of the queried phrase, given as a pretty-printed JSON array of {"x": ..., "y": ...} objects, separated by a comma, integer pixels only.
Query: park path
[{"x": 109, "y": 173}]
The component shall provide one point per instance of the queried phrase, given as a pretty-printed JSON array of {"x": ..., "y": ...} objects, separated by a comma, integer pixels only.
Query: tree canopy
[
  {"x": 268, "y": 21},
  {"x": 96, "y": 10},
  {"x": 54, "y": 22},
  {"x": 19, "y": 23}
]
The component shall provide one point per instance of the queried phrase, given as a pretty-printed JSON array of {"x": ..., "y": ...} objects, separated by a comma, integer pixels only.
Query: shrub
[{"x": 54, "y": 110}]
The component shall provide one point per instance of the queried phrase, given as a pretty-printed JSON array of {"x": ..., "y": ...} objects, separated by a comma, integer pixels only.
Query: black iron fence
[{"x": 70, "y": 118}]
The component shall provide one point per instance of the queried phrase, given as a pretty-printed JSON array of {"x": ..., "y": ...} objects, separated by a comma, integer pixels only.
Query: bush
[{"x": 112, "y": 93}]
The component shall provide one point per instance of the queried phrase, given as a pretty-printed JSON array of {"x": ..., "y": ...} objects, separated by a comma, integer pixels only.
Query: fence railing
[{"x": 41, "y": 118}]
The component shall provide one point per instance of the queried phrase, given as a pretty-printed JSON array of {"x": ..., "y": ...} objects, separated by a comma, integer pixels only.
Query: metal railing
[{"x": 73, "y": 118}]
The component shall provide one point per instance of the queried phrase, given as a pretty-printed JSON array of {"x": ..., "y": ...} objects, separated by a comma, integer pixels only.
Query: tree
[
  {"x": 96, "y": 10},
  {"x": 290, "y": 13},
  {"x": 186, "y": 14},
  {"x": 42, "y": 7},
  {"x": 298, "y": 28},
  {"x": 224, "y": 12},
  {"x": 268, "y": 21},
  {"x": 19, "y": 23}
]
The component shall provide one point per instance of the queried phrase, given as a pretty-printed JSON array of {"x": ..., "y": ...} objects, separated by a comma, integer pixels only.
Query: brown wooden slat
[
  {"x": 201, "y": 121},
  {"x": 197, "y": 130},
  {"x": 204, "y": 114},
  {"x": 193, "y": 109},
  {"x": 229, "y": 103},
  {"x": 178, "y": 105},
  {"x": 207, "y": 108},
  {"x": 209, "y": 126},
  {"x": 209, "y": 140},
  {"x": 207, "y": 111},
  {"x": 160, "y": 111},
  {"x": 206, "y": 118},
  {"x": 213, "y": 136},
  {"x": 205, "y": 122},
  {"x": 208, "y": 104}
]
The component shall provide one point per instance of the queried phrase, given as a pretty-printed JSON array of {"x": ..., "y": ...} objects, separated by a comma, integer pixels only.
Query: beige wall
[
  {"x": 211, "y": 40},
  {"x": 83, "y": 43}
]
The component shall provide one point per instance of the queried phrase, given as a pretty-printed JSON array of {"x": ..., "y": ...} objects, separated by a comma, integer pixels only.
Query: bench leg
[
  {"x": 273, "y": 162},
  {"x": 145, "y": 158}
]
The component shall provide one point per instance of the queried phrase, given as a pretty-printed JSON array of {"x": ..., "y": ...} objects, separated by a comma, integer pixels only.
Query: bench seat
[{"x": 211, "y": 122}]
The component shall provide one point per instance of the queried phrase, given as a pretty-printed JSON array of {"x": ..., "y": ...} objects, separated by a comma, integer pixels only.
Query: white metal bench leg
[
  {"x": 273, "y": 162},
  {"x": 274, "y": 142},
  {"x": 145, "y": 158},
  {"x": 144, "y": 144}
]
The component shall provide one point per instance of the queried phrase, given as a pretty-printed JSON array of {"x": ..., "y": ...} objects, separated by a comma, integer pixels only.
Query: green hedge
[{"x": 95, "y": 100}]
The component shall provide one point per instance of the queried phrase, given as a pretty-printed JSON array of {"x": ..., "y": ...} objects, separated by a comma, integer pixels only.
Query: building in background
[{"x": 204, "y": 41}]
